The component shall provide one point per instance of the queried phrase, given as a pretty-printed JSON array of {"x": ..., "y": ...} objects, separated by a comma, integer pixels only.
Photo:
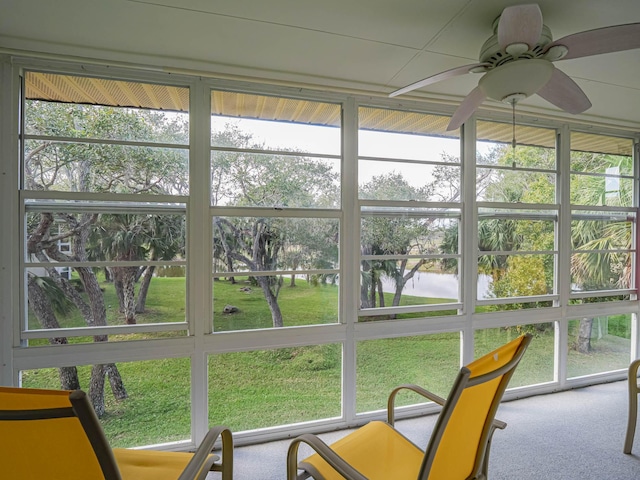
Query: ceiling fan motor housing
[{"x": 492, "y": 53}]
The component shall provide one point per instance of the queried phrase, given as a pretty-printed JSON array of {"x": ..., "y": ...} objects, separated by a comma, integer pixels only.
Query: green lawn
[{"x": 257, "y": 389}]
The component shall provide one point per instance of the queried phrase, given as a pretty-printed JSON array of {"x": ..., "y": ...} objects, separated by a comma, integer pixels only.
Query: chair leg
[
  {"x": 633, "y": 406},
  {"x": 631, "y": 423}
]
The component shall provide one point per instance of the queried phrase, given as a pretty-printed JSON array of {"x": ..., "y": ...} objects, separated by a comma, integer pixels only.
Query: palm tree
[{"x": 603, "y": 265}]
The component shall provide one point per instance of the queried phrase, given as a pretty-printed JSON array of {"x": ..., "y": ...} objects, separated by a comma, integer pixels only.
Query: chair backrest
[
  {"x": 52, "y": 434},
  {"x": 458, "y": 443}
]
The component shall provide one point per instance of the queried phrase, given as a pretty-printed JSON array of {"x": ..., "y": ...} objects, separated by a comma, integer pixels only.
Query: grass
[{"x": 257, "y": 389}]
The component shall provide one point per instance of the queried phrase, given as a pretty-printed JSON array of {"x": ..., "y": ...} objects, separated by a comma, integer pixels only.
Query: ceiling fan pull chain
[{"x": 513, "y": 140}]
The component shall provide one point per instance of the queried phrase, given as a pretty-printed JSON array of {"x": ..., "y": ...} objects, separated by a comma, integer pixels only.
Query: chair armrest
[
  {"x": 499, "y": 424},
  {"x": 322, "y": 449},
  {"x": 633, "y": 376},
  {"x": 200, "y": 457},
  {"x": 414, "y": 388},
  {"x": 431, "y": 396}
]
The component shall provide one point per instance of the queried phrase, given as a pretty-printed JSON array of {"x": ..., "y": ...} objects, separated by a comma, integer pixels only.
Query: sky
[{"x": 326, "y": 141}]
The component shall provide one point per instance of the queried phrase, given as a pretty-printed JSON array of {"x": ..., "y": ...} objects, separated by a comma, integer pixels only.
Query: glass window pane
[
  {"x": 430, "y": 361},
  {"x": 600, "y": 271},
  {"x": 537, "y": 364},
  {"x": 266, "y": 388},
  {"x": 602, "y": 167},
  {"x": 275, "y": 123},
  {"x": 408, "y": 232},
  {"x": 97, "y": 139},
  {"x": 406, "y": 135},
  {"x": 244, "y": 303},
  {"x": 76, "y": 167},
  {"x": 275, "y": 152},
  {"x": 249, "y": 244},
  {"x": 604, "y": 232},
  {"x": 407, "y": 156},
  {"x": 608, "y": 191},
  {"x": 535, "y": 146},
  {"x": 56, "y": 233},
  {"x": 392, "y": 283},
  {"x": 514, "y": 186},
  {"x": 517, "y": 276},
  {"x": 243, "y": 178},
  {"x": 599, "y": 344},
  {"x": 63, "y": 292},
  {"x": 73, "y": 297},
  {"x": 151, "y": 405},
  {"x": 592, "y": 153},
  {"x": 510, "y": 232},
  {"x": 379, "y": 180}
]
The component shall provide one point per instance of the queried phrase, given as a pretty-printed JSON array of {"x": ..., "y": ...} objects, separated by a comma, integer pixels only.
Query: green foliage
[
  {"x": 171, "y": 271},
  {"x": 525, "y": 277},
  {"x": 59, "y": 302},
  {"x": 92, "y": 167},
  {"x": 274, "y": 387}
]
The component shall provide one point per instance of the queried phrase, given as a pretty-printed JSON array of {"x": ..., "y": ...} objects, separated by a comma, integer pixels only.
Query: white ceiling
[{"x": 372, "y": 46}]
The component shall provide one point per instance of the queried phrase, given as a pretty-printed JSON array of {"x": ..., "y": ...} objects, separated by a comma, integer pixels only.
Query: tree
[
  {"x": 135, "y": 237},
  {"x": 93, "y": 168},
  {"x": 47, "y": 299},
  {"x": 405, "y": 235},
  {"x": 243, "y": 178},
  {"x": 604, "y": 263}
]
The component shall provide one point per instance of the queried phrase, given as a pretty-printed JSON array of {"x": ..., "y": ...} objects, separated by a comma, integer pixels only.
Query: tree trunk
[
  {"x": 96, "y": 389},
  {"x": 272, "y": 301},
  {"x": 69, "y": 378},
  {"x": 125, "y": 282},
  {"x": 403, "y": 279},
  {"x": 583, "y": 342},
  {"x": 380, "y": 292},
  {"x": 372, "y": 289},
  {"x": 130, "y": 295},
  {"x": 144, "y": 289},
  {"x": 41, "y": 307},
  {"x": 364, "y": 291},
  {"x": 119, "y": 286},
  {"x": 115, "y": 381}
]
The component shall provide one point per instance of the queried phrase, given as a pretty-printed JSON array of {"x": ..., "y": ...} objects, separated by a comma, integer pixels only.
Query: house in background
[{"x": 255, "y": 142}]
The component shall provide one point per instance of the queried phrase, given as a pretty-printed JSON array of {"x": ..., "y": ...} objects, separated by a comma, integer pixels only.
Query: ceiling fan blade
[
  {"x": 520, "y": 24},
  {"x": 601, "y": 40},
  {"x": 454, "y": 72},
  {"x": 469, "y": 105},
  {"x": 564, "y": 93}
]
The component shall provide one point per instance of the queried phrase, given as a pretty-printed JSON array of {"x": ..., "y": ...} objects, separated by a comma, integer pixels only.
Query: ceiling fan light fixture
[
  {"x": 514, "y": 98},
  {"x": 517, "y": 79}
]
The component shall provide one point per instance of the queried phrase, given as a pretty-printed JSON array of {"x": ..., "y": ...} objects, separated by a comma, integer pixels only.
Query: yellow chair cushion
[
  {"x": 375, "y": 450},
  {"x": 150, "y": 464}
]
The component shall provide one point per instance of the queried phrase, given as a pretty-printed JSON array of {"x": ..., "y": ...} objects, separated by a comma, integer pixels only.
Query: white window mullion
[
  {"x": 349, "y": 255},
  {"x": 635, "y": 319},
  {"x": 562, "y": 282},
  {"x": 199, "y": 251},
  {"x": 9, "y": 237},
  {"x": 468, "y": 238}
]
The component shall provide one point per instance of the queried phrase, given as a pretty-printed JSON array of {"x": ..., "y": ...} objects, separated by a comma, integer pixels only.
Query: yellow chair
[
  {"x": 459, "y": 444},
  {"x": 55, "y": 434},
  {"x": 634, "y": 391}
]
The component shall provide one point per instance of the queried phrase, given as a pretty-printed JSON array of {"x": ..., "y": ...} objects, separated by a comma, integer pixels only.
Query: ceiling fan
[{"x": 517, "y": 62}]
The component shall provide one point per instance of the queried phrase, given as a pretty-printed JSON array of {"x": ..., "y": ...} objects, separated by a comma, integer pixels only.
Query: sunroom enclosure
[{"x": 194, "y": 251}]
